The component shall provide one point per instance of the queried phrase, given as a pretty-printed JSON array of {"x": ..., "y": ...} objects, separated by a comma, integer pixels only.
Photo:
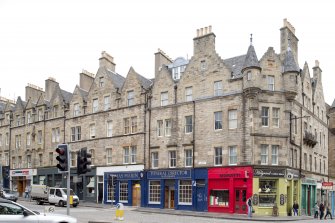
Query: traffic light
[
  {"x": 62, "y": 158},
  {"x": 84, "y": 161},
  {"x": 112, "y": 180}
]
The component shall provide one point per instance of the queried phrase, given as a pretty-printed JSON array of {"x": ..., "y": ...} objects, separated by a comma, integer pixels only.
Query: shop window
[
  {"x": 123, "y": 194},
  {"x": 154, "y": 192},
  {"x": 219, "y": 198},
  {"x": 267, "y": 193},
  {"x": 90, "y": 192},
  {"x": 110, "y": 191},
  {"x": 185, "y": 192}
]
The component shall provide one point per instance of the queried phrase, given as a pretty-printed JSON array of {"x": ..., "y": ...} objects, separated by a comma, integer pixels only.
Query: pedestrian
[
  {"x": 322, "y": 209},
  {"x": 249, "y": 204},
  {"x": 26, "y": 191},
  {"x": 295, "y": 208},
  {"x": 328, "y": 212},
  {"x": 316, "y": 210}
]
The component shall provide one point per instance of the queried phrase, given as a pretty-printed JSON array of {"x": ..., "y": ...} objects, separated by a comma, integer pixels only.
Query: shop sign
[
  {"x": 269, "y": 172},
  {"x": 169, "y": 174},
  {"x": 23, "y": 172},
  {"x": 327, "y": 185},
  {"x": 127, "y": 175},
  {"x": 308, "y": 181},
  {"x": 293, "y": 173}
]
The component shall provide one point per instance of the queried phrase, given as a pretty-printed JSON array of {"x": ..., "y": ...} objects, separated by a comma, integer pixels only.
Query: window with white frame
[
  {"x": 109, "y": 129},
  {"x": 218, "y": 120},
  {"x": 310, "y": 163},
  {"x": 130, "y": 98},
  {"x": 95, "y": 105},
  {"x": 55, "y": 111},
  {"x": 126, "y": 155},
  {"x": 274, "y": 155},
  {"x": 172, "y": 159},
  {"x": 126, "y": 124},
  {"x": 264, "y": 154},
  {"x": 188, "y": 124},
  {"x": 29, "y": 120},
  {"x": 185, "y": 192},
  {"x": 275, "y": 117},
  {"x": 188, "y": 94},
  {"x": 28, "y": 139},
  {"x": 39, "y": 137},
  {"x": 232, "y": 116},
  {"x": 51, "y": 159},
  {"x": 109, "y": 156},
  {"x": 73, "y": 159},
  {"x": 19, "y": 163},
  {"x": 265, "y": 116},
  {"x": 188, "y": 157},
  {"x": 164, "y": 98},
  {"x": 154, "y": 192},
  {"x": 154, "y": 160},
  {"x": 249, "y": 75},
  {"x": 218, "y": 89},
  {"x": 133, "y": 124},
  {"x": 123, "y": 192},
  {"x": 18, "y": 141},
  {"x": 167, "y": 127},
  {"x": 133, "y": 154},
  {"x": 271, "y": 83},
  {"x": 295, "y": 159},
  {"x": 0, "y": 139},
  {"x": 13, "y": 162},
  {"x": 217, "y": 156},
  {"x": 55, "y": 132},
  {"x": 76, "y": 110},
  {"x": 305, "y": 162},
  {"x": 160, "y": 128},
  {"x": 92, "y": 131},
  {"x": 40, "y": 114},
  {"x": 176, "y": 74},
  {"x": 232, "y": 155},
  {"x": 6, "y": 159},
  {"x": 107, "y": 102},
  {"x": 29, "y": 165},
  {"x": 75, "y": 133},
  {"x": 18, "y": 120}
]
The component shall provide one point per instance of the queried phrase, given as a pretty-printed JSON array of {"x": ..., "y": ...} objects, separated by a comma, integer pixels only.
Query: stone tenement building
[{"x": 205, "y": 134}]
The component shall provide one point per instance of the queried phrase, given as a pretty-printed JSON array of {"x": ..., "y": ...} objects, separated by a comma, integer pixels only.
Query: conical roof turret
[{"x": 251, "y": 60}]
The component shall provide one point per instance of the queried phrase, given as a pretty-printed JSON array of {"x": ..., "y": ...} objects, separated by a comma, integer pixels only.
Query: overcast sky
[{"x": 41, "y": 38}]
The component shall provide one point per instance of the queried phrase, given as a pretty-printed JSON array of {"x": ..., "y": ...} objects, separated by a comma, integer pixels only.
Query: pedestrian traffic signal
[
  {"x": 84, "y": 161},
  {"x": 62, "y": 158}
]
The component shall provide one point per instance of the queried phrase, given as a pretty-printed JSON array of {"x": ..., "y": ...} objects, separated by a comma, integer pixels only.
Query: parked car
[
  {"x": 13, "y": 212},
  {"x": 9, "y": 194}
]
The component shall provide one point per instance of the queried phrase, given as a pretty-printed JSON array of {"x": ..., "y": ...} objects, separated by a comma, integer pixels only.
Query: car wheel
[
  {"x": 61, "y": 203},
  {"x": 75, "y": 205}
]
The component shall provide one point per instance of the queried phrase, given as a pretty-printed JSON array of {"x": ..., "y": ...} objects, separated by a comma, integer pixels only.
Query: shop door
[
  {"x": 201, "y": 198},
  {"x": 240, "y": 201},
  {"x": 171, "y": 199},
  {"x": 309, "y": 201},
  {"x": 136, "y": 195}
]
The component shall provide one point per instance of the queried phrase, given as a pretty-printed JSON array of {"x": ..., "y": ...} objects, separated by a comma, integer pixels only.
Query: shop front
[
  {"x": 274, "y": 188},
  {"x": 229, "y": 188},
  {"x": 180, "y": 189},
  {"x": 308, "y": 196},
  {"x": 21, "y": 178},
  {"x": 123, "y": 187}
]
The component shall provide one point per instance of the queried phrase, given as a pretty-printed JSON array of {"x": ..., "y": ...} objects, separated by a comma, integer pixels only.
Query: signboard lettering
[
  {"x": 163, "y": 174},
  {"x": 269, "y": 172}
]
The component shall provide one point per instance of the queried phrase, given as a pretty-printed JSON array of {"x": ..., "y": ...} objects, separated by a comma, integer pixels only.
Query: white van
[{"x": 59, "y": 196}]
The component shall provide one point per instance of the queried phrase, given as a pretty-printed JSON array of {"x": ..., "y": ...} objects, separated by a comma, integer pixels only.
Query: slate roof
[
  {"x": 333, "y": 105},
  {"x": 66, "y": 95},
  {"x": 289, "y": 63},
  {"x": 251, "y": 59},
  {"x": 235, "y": 64},
  {"x": 83, "y": 93},
  {"x": 146, "y": 83},
  {"x": 117, "y": 79}
]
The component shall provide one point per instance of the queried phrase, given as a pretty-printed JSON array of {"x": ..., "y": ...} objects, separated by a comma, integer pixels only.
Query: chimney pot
[
  {"x": 210, "y": 29},
  {"x": 206, "y": 30}
]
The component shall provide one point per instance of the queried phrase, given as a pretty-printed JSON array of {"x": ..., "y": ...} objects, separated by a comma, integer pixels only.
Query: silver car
[
  {"x": 9, "y": 194},
  {"x": 14, "y": 212}
]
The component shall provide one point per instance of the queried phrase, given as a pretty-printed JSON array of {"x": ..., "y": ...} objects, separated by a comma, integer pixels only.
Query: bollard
[{"x": 119, "y": 212}]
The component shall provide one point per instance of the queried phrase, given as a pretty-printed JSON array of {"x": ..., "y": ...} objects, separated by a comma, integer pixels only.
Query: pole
[{"x": 68, "y": 182}]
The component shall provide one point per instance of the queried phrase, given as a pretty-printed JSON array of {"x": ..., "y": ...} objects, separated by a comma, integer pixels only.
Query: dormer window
[
  {"x": 18, "y": 120},
  {"x": 55, "y": 111},
  {"x": 29, "y": 117},
  {"x": 130, "y": 98},
  {"x": 176, "y": 74},
  {"x": 76, "y": 110},
  {"x": 203, "y": 65},
  {"x": 101, "y": 82},
  {"x": 95, "y": 106},
  {"x": 271, "y": 83},
  {"x": 40, "y": 114},
  {"x": 249, "y": 76}
]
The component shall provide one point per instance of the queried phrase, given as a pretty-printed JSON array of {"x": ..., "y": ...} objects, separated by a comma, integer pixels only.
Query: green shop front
[
  {"x": 274, "y": 191},
  {"x": 308, "y": 196}
]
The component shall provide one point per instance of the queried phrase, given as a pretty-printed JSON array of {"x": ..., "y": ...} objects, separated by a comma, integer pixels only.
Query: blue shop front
[
  {"x": 180, "y": 189},
  {"x": 123, "y": 187}
]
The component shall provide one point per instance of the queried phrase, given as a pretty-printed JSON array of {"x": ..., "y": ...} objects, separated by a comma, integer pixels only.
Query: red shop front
[{"x": 229, "y": 188}]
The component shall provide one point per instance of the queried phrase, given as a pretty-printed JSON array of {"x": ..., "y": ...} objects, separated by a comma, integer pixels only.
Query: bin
[{"x": 119, "y": 213}]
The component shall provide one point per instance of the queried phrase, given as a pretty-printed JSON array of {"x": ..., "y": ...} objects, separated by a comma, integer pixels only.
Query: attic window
[
  {"x": 101, "y": 82},
  {"x": 203, "y": 65},
  {"x": 249, "y": 75}
]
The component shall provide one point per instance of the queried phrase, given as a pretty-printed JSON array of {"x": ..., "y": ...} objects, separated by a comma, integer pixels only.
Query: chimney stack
[
  {"x": 107, "y": 61},
  {"x": 204, "y": 42},
  {"x": 161, "y": 58},
  {"x": 287, "y": 37},
  {"x": 50, "y": 87},
  {"x": 85, "y": 80}
]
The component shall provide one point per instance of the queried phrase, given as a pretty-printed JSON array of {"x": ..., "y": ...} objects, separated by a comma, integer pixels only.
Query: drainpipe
[
  {"x": 149, "y": 133},
  {"x": 9, "y": 148},
  {"x": 193, "y": 141}
]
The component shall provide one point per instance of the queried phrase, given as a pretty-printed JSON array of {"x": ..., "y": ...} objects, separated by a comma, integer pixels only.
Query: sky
[{"x": 45, "y": 38}]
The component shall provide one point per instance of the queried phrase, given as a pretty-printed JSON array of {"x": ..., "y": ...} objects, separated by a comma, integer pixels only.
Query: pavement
[{"x": 240, "y": 217}]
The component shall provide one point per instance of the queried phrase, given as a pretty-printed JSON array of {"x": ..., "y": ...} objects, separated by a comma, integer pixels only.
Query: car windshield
[{"x": 71, "y": 191}]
